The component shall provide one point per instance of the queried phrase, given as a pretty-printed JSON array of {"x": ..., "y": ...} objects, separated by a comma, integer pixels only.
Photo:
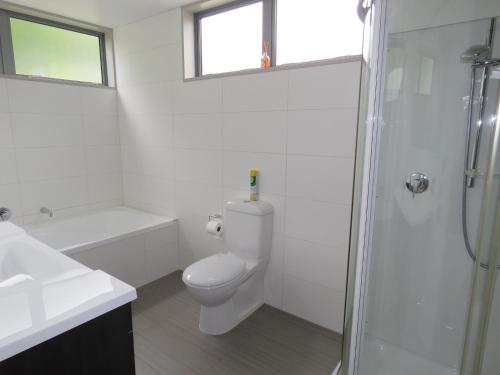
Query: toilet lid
[{"x": 215, "y": 270}]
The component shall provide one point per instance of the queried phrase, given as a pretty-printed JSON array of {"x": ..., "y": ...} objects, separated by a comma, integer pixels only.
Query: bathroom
[{"x": 206, "y": 187}]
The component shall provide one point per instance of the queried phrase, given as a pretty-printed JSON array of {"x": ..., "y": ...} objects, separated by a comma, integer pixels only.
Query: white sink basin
[
  {"x": 23, "y": 256},
  {"x": 43, "y": 293}
]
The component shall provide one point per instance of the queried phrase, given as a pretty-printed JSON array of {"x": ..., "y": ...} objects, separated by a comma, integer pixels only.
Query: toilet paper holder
[{"x": 214, "y": 217}]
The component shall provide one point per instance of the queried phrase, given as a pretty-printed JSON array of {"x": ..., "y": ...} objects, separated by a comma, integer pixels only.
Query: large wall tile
[
  {"x": 10, "y": 198},
  {"x": 41, "y": 97},
  {"x": 4, "y": 100},
  {"x": 148, "y": 129},
  {"x": 198, "y": 166},
  {"x": 150, "y": 98},
  {"x": 273, "y": 281},
  {"x": 49, "y": 133},
  {"x": 316, "y": 263},
  {"x": 149, "y": 33},
  {"x": 42, "y": 130},
  {"x": 328, "y": 86},
  {"x": 325, "y": 223},
  {"x": 37, "y": 164},
  {"x": 322, "y": 132},
  {"x": 103, "y": 160},
  {"x": 314, "y": 302},
  {"x": 101, "y": 130},
  {"x": 203, "y": 96},
  {"x": 149, "y": 193},
  {"x": 154, "y": 161},
  {"x": 158, "y": 64},
  {"x": 5, "y": 130},
  {"x": 105, "y": 188},
  {"x": 237, "y": 166},
  {"x": 56, "y": 194},
  {"x": 98, "y": 101},
  {"x": 202, "y": 131},
  {"x": 255, "y": 131},
  {"x": 256, "y": 92},
  {"x": 8, "y": 170},
  {"x": 320, "y": 178}
]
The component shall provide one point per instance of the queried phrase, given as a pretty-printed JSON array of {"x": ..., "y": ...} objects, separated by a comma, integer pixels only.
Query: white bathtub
[{"x": 134, "y": 246}]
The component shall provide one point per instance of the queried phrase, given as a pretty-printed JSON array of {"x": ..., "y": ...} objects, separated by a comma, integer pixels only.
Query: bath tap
[
  {"x": 47, "y": 211},
  {"x": 5, "y": 214}
]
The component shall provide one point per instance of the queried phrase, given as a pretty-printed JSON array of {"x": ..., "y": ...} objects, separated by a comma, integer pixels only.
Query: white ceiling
[{"x": 109, "y": 13}]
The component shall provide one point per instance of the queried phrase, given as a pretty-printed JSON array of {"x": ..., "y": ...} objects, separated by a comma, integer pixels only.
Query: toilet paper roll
[{"x": 214, "y": 228}]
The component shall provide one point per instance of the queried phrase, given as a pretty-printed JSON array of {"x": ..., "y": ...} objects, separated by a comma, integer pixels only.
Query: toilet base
[{"x": 217, "y": 320}]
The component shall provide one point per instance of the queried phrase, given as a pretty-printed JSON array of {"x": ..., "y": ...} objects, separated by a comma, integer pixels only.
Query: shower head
[
  {"x": 487, "y": 63},
  {"x": 479, "y": 57},
  {"x": 476, "y": 54}
]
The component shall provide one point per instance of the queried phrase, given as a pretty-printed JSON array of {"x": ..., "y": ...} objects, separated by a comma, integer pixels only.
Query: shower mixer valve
[{"x": 417, "y": 183}]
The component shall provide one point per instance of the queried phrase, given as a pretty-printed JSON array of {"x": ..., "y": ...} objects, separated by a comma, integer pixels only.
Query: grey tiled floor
[{"x": 168, "y": 341}]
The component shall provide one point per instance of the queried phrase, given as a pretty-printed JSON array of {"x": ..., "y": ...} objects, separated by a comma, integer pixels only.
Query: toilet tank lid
[{"x": 259, "y": 208}]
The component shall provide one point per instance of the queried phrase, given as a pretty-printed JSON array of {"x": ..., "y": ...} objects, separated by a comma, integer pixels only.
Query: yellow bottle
[{"x": 254, "y": 192}]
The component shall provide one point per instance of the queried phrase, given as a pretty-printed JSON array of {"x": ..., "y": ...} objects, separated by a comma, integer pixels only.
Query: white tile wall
[
  {"x": 59, "y": 147},
  {"x": 5, "y": 130},
  {"x": 297, "y": 126},
  {"x": 255, "y": 131},
  {"x": 329, "y": 132}
]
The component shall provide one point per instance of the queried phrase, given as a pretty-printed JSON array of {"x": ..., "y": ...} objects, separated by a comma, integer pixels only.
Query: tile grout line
[{"x": 18, "y": 183}]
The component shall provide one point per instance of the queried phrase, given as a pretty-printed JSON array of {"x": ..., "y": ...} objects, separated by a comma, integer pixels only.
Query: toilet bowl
[{"x": 230, "y": 286}]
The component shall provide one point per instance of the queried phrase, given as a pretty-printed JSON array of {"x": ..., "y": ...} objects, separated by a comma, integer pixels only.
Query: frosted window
[
  {"x": 232, "y": 40},
  {"x": 53, "y": 52},
  {"x": 317, "y": 29}
]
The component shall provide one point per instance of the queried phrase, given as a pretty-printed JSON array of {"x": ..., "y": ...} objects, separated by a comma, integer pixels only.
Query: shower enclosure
[{"x": 423, "y": 295}]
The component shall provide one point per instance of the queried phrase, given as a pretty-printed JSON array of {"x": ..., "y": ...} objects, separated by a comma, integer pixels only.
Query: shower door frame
[{"x": 366, "y": 172}]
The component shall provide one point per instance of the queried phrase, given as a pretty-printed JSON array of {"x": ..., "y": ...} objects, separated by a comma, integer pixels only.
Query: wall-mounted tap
[
  {"x": 47, "y": 211},
  {"x": 5, "y": 214}
]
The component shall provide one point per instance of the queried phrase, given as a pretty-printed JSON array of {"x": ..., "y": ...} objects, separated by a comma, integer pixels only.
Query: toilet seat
[{"x": 214, "y": 271}]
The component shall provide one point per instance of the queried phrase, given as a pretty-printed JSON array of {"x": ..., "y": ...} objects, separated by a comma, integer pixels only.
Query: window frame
[
  {"x": 7, "y": 60},
  {"x": 268, "y": 28}
]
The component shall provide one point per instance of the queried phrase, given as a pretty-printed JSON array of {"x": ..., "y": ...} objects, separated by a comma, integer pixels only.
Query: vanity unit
[{"x": 58, "y": 316}]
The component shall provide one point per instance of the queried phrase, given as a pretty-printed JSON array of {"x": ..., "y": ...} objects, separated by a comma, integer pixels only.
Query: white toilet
[{"x": 230, "y": 286}]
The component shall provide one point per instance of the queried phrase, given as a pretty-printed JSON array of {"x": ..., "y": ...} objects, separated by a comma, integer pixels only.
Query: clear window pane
[
  {"x": 232, "y": 40},
  {"x": 52, "y": 52},
  {"x": 317, "y": 29}
]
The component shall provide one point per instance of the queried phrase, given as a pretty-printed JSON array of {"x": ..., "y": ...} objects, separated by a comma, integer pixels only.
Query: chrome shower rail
[{"x": 478, "y": 57}]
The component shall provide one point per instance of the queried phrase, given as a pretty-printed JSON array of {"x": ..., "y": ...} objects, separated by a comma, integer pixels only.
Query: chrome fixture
[
  {"x": 214, "y": 217},
  {"x": 5, "y": 214},
  {"x": 417, "y": 183},
  {"x": 47, "y": 211},
  {"x": 480, "y": 58},
  {"x": 363, "y": 9}
]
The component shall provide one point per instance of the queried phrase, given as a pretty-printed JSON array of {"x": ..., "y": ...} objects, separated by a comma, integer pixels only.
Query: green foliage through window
[{"x": 53, "y": 52}]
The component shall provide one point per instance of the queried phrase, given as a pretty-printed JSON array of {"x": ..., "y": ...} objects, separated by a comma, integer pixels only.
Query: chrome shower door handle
[{"x": 417, "y": 183}]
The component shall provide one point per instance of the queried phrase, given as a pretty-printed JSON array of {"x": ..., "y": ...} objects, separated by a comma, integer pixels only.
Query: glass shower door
[{"x": 429, "y": 308}]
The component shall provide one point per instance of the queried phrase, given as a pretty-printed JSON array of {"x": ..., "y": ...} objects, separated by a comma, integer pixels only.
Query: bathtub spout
[{"x": 47, "y": 211}]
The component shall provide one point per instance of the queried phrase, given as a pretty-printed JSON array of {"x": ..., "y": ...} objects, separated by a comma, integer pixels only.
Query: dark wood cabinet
[{"x": 104, "y": 345}]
